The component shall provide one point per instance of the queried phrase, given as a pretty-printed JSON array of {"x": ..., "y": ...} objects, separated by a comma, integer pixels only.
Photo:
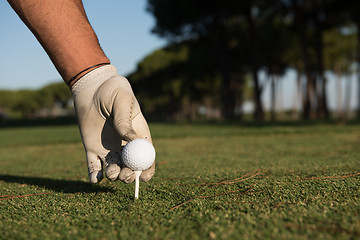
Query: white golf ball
[{"x": 138, "y": 154}]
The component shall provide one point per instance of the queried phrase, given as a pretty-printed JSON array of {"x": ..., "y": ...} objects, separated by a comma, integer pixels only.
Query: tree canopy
[{"x": 221, "y": 43}]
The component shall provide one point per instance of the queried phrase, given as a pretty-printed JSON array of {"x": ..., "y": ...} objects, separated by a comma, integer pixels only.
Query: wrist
[
  {"x": 93, "y": 79},
  {"x": 82, "y": 73}
]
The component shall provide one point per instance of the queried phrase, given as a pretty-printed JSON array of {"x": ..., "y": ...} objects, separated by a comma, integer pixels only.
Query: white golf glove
[{"x": 109, "y": 115}]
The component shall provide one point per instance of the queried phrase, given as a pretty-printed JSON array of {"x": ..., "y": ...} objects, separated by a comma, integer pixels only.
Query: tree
[
  {"x": 276, "y": 46},
  {"x": 170, "y": 82},
  {"x": 311, "y": 19},
  {"x": 243, "y": 37},
  {"x": 350, "y": 11},
  {"x": 211, "y": 23},
  {"x": 340, "y": 55},
  {"x": 24, "y": 103},
  {"x": 55, "y": 93}
]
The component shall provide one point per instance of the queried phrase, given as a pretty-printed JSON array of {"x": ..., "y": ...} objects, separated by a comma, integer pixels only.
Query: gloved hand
[{"x": 109, "y": 115}]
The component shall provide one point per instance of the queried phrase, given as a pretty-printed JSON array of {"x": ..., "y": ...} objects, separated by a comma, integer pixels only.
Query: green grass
[{"x": 303, "y": 189}]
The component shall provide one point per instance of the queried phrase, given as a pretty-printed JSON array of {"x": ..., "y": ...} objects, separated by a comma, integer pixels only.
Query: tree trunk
[
  {"x": 280, "y": 103},
  {"x": 358, "y": 71},
  {"x": 347, "y": 99},
  {"x": 308, "y": 108},
  {"x": 358, "y": 92},
  {"x": 228, "y": 97},
  {"x": 238, "y": 84},
  {"x": 273, "y": 99},
  {"x": 322, "y": 107},
  {"x": 259, "y": 111},
  {"x": 297, "y": 97},
  {"x": 339, "y": 105}
]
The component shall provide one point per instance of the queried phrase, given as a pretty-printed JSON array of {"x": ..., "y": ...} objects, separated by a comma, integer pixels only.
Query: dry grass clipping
[{"x": 245, "y": 177}]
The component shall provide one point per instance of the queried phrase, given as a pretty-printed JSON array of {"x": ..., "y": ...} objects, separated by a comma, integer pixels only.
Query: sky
[{"x": 124, "y": 31}]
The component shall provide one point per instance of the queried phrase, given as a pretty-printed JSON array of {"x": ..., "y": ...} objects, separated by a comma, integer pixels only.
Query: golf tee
[{"x": 137, "y": 180}]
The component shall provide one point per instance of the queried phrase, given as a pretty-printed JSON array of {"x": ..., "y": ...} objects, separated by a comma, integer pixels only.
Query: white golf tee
[{"x": 137, "y": 175}]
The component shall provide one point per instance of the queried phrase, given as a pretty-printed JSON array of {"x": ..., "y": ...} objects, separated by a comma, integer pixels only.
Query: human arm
[{"x": 62, "y": 28}]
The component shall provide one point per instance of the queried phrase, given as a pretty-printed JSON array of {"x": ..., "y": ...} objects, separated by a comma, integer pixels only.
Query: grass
[{"x": 213, "y": 181}]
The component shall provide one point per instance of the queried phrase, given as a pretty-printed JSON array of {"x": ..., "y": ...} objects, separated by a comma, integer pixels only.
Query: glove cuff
[{"x": 94, "y": 78}]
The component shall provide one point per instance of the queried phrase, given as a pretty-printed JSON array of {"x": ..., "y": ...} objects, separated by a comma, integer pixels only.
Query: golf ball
[{"x": 138, "y": 154}]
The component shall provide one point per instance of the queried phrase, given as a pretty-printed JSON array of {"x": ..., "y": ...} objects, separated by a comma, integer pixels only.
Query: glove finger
[
  {"x": 148, "y": 173},
  {"x": 141, "y": 127},
  {"x": 125, "y": 108},
  {"x": 112, "y": 165},
  {"x": 127, "y": 175},
  {"x": 111, "y": 151},
  {"x": 94, "y": 168}
]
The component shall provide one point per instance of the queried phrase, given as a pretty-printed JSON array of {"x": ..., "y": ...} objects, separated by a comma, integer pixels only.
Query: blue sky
[{"x": 123, "y": 28}]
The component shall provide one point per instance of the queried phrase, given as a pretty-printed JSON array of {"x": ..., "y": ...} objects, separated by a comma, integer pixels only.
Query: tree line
[
  {"x": 28, "y": 104},
  {"x": 216, "y": 50}
]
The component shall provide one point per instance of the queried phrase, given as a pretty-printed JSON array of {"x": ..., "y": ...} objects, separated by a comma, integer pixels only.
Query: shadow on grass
[
  {"x": 59, "y": 121},
  {"x": 65, "y": 186}
]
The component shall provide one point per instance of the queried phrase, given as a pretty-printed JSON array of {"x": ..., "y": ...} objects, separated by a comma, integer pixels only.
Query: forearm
[{"x": 62, "y": 28}]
